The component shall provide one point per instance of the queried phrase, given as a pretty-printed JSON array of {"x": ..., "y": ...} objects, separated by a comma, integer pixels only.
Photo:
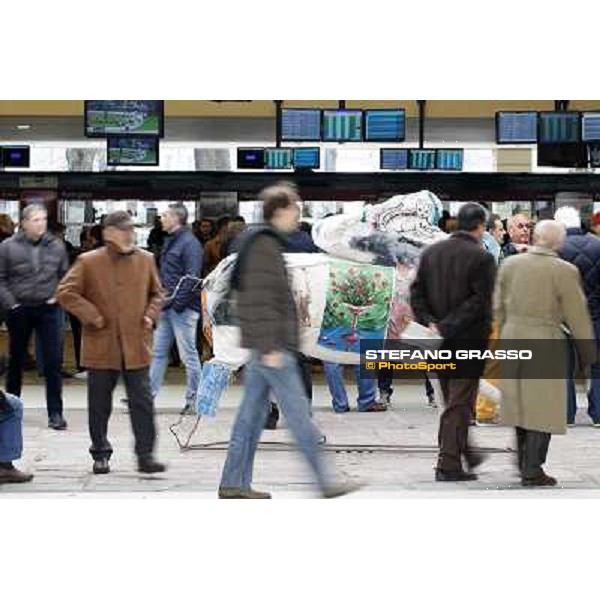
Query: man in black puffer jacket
[{"x": 583, "y": 251}]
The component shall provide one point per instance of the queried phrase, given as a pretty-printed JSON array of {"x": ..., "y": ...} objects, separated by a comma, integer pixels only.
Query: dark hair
[
  {"x": 57, "y": 228},
  {"x": 223, "y": 222},
  {"x": 276, "y": 197},
  {"x": 492, "y": 221},
  {"x": 470, "y": 216},
  {"x": 205, "y": 220},
  {"x": 96, "y": 233},
  {"x": 239, "y": 219},
  {"x": 306, "y": 227}
]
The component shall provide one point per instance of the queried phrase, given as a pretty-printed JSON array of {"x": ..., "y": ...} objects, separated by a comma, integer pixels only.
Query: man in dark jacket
[
  {"x": 32, "y": 263},
  {"x": 583, "y": 251},
  {"x": 269, "y": 328},
  {"x": 452, "y": 295},
  {"x": 181, "y": 257}
]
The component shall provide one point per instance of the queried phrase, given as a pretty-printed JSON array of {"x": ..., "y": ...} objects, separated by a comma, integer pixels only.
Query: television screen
[
  {"x": 300, "y": 125},
  {"x": 342, "y": 125},
  {"x": 421, "y": 159},
  {"x": 393, "y": 158},
  {"x": 14, "y": 157},
  {"x": 562, "y": 155},
  {"x": 385, "y": 125},
  {"x": 594, "y": 150},
  {"x": 132, "y": 150},
  {"x": 278, "y": 158},
  {"x": 449, "y": 159},
  {"x": 307, "y": 158},
  {"x": 558, "y": 127},
  {"x": 124, "y": 117},
  {"x": 250, "y": 158},
  {"x": 590, "y": 125},
  {"x": 516, "y": 127}
]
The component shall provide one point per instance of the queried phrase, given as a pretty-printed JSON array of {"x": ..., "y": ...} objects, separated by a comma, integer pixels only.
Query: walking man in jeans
[
  {"x": 269, "y": 327},
  {"x": 181, "y": 256},
  {"x": 32, "y": 262}
]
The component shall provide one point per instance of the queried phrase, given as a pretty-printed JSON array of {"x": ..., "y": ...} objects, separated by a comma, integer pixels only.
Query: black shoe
[
  {"x": 441, "y": 475},
  {"x": 66, "y": 375},
  {"x": 475, "y": 458},
  {"x": 13, "y": 475},
  {"x": 57, "y": 422},
  {"x": 542, "y": 480},
  {"x": 101, "y": 466},
  {"x": 149, "y": 465},
  {"x": 188, "y": 409},
  {"x": 273, "y": 417}
]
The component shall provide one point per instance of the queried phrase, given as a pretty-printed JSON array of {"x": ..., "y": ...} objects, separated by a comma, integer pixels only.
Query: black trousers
[
  {"x": 101, "y": 384},
  {"x": 532, "y": 450},
  {"x": 453, "y": 436},
  {"x": 76, "y": 332}
]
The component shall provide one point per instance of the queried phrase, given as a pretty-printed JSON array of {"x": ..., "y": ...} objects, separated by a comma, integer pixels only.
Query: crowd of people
[{"x": 128, "y": 308}]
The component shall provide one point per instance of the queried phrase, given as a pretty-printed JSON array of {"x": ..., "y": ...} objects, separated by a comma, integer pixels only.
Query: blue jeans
[
  {"x": 11, "y": 430},
  {"x": 180, "y": 327},
  {"x": 367, "y": 388},
  {"x": 593, "y": 394},
  {"x": 252, "y": 414}
]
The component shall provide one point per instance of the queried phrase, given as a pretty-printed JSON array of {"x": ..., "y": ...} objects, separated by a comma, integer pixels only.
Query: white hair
[
  {"x": 568, "y": 216},
  {"x": 549, "y": 234}
]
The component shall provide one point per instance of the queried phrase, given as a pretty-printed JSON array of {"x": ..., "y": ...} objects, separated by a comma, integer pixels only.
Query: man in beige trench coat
[{"x": 536, "y": 295}]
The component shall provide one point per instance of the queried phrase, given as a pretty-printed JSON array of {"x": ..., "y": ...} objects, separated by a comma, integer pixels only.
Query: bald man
[{"x": 536, "y": 295}]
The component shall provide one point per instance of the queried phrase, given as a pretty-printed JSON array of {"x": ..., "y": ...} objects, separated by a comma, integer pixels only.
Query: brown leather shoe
[
  {"x": 542, "y": 480},
  {"x": 14, "y": 476},
  {"x": 376, "y": 407},
  {"x": 239, "y": 494}
]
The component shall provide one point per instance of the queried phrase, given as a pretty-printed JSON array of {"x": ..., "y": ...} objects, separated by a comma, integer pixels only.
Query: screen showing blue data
[
  {"x": 300, "y": 125},
  {"x": 394, "y": 159},
  {"x": 278, "y": 158},
  {"x": 421, "y": 159},
  {"x": 342, "y": 125},
  {"x": 559, "y": 127},
  {"x": 449, "y": 159},
  {"x": 307, "y": 158},
  {"x": 590, "y": 123},
  {"x": 385, "y": 125},
  {"x": 251, "y": 158},
  {"x": 516, "y": 127}
]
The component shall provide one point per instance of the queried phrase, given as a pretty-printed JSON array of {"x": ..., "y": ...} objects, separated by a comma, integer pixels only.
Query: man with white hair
[
  {"x": 536, "y": 295},
  {"x": 519, "y": 228},
  {"x": 583, "y": 251}
]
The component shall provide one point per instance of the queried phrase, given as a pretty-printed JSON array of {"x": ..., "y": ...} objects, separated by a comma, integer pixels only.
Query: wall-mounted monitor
[
  {"x": 307, "y": 158},
  {"x": 250, "y": 158},
  {"x": 140, "y": 151},
  {"x": 385, "y": 125},
  {"x": 421, "y": 159},
  {"x": 590, "y": 127},
  {"x": 278, "y": 158},
  {"x": 393, "y": 159},
  {"x": 342, "y": 125},
  {"x": 449, "y": 159},
  {"x": 562, "y": 155},
  {"x": 124, "y": 117},
  {"x": 516, "y": 127},
  {"x": 559, "y": 127},
  {"x": 300, "y": 125},
  {"x": 15, "y": 157}
]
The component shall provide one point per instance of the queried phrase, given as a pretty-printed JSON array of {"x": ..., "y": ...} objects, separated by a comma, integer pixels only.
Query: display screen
[
  {"x": 307, "y": 158},
  {"x": 124, "y": 117},
  {"x": 278, "y": 158},
  {"x": 342, "y": 125},
  {"x": 590, "y": 124},
  {"x": 14, "y": 157},
  {"x": 559, "y": 127},
  {"x": 562, "y": 155},
  {"x": 449, "y": 159},
  {"x": 393, "y": 158},
  {"x": 516, "y": 127},
  {"x": 251, "y": 158},
  {"x": 132, "y": 150},
  {"x": 300, "y": 125},
  {"x": 421, "y": 159},
  {"x": 594, "y": 150},
  {"x": 385, "y": 125}
]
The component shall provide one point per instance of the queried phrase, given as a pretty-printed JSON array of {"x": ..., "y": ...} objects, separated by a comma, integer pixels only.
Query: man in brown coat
[
  {"x": 116, "y": 293},
  {"x": 452, "y": 294}
]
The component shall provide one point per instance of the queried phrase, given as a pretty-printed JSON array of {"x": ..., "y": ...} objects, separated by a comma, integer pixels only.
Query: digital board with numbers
[
  {"x": 590, "y": 127},
  {"x": 559, "y": 127},
  {"x": 421, "y": 159},
  {"x": 516, "y": 127},
  {"x": 449, "y": 159},
  {"x": 342, "y": 126},
  {"x": 385, "y": 125},
  {"x": 300, "y": 125},
  {"x": 278, "y": 158},
  {"x": 393, "y": 159},
  {"x": 307, "y": 158}
]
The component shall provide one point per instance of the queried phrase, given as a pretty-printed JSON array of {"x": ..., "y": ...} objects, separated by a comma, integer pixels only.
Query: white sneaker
[{"x": 81, "y": 375}]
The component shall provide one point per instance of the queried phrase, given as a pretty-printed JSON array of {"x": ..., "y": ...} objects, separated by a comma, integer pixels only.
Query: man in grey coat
[{"x": 538, "y": 294}]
